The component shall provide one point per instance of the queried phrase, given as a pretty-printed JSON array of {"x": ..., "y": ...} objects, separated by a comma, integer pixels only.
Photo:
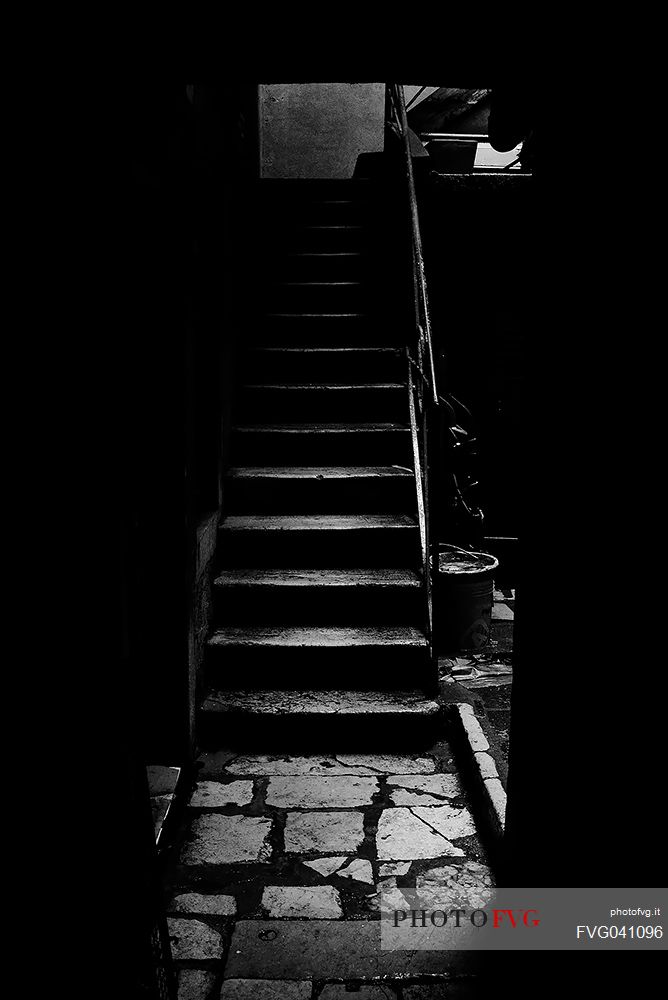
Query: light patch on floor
[
  {"x": 214, "y": 794},
  {"x": 359, "y": 870},
  {"x": 423, "y": 790},
  {"x": 195, "y": 902},
  {"x": 323, "y": 832},
  {"x": 340, "y": 792},
  {"x": 225, "y": 840},
  {"x": 320, "y": 902},
  {"x": 446, "y": 820},
  {"x": 403, "y": 836},
  {"x": 326, "y": 866},
  {"x": 193, "y": 940}
]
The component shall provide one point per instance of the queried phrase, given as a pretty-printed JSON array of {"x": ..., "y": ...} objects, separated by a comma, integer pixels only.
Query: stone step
[
  {"x": 361, "y": 442},
  {"x": 316, "y": 296},
  {"x": 315, "y": 540},
  {"x": 317, "y": 637},
  {"x": 329, "y": 329},
  {"x": 325, "y": 579},
  {"x": 306, "y": 718},
  {"x": 326, "y": 595},
  {"x": 347, "y": 364},
  {"x": 294, "y": 190},
  {"x": 326, "y": 237},
  {"x": 309, "y": 489},
  {"x": 342, "y": 265},
  {"x": 325, "y": 656},
  {"x": 319, "y": 211},
  {"x": 322, "y": 401},
  {"x": 305, "y": 950}
]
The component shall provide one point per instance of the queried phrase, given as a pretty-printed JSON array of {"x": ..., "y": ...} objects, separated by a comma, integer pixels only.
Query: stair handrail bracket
[{"x": 422, "y": 387}]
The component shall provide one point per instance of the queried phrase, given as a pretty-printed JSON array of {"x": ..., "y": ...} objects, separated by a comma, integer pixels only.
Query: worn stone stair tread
[
  {"x": 325, "y": 253},
  {"x": 337, "y": 702},
  {"x": 323, "y": 428},
  {"x": 309, "y": 472},
  {"x": 316, "y": 315},
  {"x": 264, "y": 577},
  {"x": 323, "y": 386},
  {"x": 317, "y": 637},
  {"x": 317, "y": 284},
  {"x": 317, "y": 522},
  {"x": 357, "y": 349}
]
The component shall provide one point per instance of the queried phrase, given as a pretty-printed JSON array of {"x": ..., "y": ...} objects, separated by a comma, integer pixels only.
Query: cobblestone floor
[
  {"x": 488, "y": 676},
  {"x": 276, "y": 881}
]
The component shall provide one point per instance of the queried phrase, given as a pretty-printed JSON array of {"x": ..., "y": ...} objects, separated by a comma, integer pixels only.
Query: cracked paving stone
[
  {"x": 286, "y": 765},
  {"x": 388, "y": 764},
  {"x": 368, "y": 991},
  {"x": 320, "y": 902},
  {"x": 323, "y": 832},
  {"x": 214, "y": 794},
  {"x": 394, "y": 868},
  {"x": 359, "y": 870},
  {"x": 316, "y": 765},
  {"x": 195, "y": 984},
  {"x": 403, "y": 836},
  {"x": 266, "y": 989},
  {"x": 423, "y": 790},
  {"x": 225, "y": 840},
  {"x": 344, "y": 792},
  {"x": 195, "y": 902},
  {"x": 467, "y": 884},
  {"x": 326, "y": 866},
  {"x": 447, "y": 820},
  {"x": 193, "y": 940}
]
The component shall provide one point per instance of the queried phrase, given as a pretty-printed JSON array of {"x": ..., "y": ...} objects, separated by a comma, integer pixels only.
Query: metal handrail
[
  {"x": 397, "y": 100},
  {"x": 423, "y": 399}
]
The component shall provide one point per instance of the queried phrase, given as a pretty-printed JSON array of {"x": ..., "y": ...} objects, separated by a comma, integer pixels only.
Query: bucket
[{"x": 464, "y": 598}]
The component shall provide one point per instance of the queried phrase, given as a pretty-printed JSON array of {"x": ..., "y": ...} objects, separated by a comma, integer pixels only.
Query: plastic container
[{"x": 463, "y": 599}]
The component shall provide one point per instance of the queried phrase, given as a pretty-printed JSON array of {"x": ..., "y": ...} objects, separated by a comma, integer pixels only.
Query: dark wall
[
  {"x": 185, "y": 153},
  {"x": 476, "y": 235}
]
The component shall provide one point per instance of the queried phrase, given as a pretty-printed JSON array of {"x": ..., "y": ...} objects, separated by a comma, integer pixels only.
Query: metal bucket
[{"x": 463, "y": 600}]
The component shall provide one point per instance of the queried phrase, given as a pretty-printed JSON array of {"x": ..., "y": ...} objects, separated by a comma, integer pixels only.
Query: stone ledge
[{"x": 471, "y": 737}]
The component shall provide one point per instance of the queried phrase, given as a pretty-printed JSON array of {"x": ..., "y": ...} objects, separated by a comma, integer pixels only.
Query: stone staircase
[{"x": 319, "y": 600}]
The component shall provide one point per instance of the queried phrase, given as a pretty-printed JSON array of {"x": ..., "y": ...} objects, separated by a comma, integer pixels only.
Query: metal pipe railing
[
  {"x": 423, "y": 399},
  {"x": 424, "y": 340}
]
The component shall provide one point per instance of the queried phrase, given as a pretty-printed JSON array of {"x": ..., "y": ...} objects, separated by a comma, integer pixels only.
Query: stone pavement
[
  {"x": 486, "y": 678},
  {"x": 275, "y": 887}
]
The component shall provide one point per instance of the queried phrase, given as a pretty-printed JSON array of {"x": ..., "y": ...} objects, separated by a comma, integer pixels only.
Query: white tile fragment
[
  {"x": 447, "y": 820},
  {"x": 359, "y": 870},
  {"x": 215, "y": 794},
  {"x": 333, "y": 792},
  {"x": 316, "y": 902},
  {"x": 323, "y": 832},
  {"x": 225, "y": 840},
  {"x": 326, "y": 866},
  {"x": 403, "y": 836}
]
